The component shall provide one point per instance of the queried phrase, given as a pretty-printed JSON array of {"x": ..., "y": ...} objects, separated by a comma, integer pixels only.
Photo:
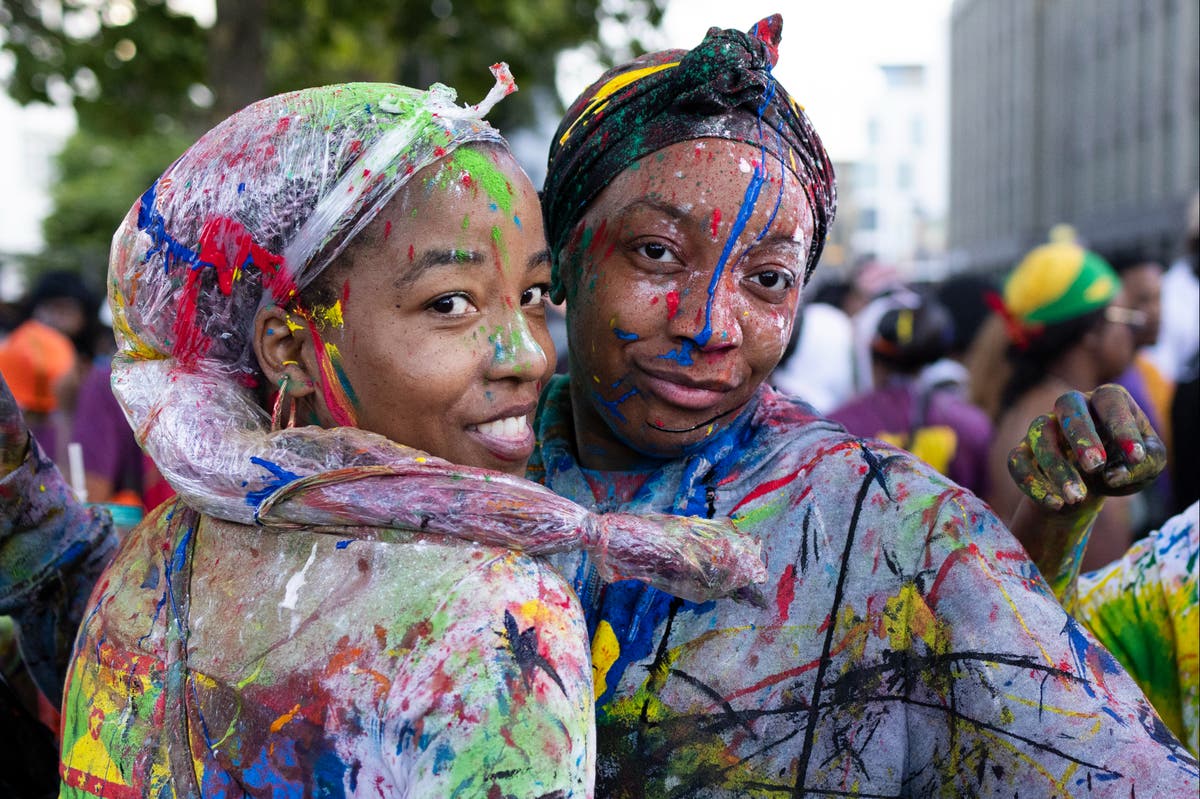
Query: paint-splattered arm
[
  {"x": 52, "y": 549},
  {"x": 998, "y": 670},
  {"x": 1092, "y": 446},
  {"x": 693, "y": 558}
]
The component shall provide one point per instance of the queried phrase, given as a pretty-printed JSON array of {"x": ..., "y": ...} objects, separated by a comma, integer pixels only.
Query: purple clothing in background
[
  {"x": 892, "y": 412},
  {"x": 109, "y": 448}
]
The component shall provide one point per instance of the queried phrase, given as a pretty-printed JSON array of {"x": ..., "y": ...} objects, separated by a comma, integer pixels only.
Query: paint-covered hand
[
  {"x": 1098, "y": 444},
  {"x": 14, "y": 435}
]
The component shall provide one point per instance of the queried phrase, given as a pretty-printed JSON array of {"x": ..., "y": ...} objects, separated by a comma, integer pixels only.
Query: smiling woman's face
[
  {"x": 683, "y": 279},
  {"x": 436, "y": 334}
]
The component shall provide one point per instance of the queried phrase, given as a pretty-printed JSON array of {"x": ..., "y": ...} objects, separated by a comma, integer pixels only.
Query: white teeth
[{"x": 512, "y": 427}]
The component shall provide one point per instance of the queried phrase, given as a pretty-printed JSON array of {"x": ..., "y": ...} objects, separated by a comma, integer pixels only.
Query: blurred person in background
[
  {"x": 1179, "y": 339},
  {"x": 964, "y": 298},
  {"x": 37, "y": 360},
  {"x": 928, "y": 419},
  {"x": 818, "y": 364},
  {"x": 1066, "y": 333},
  {"x": 1141, "y": 290}
]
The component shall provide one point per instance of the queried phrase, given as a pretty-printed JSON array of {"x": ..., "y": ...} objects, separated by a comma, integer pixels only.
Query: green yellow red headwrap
[
  {"x": 721, "y": 89},
  {"x": 1055, "y": 283}
]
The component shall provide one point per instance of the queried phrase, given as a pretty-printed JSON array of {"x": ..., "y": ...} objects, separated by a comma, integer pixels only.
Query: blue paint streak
[
  {"x": 154, "y": 225},
  {"x": 683, "y": 355},
  {"x": 611, "y": 405},
  {"x": 625, "y": 335},
  {"x": 344, "y": 544},
  {"x": 749, "y": 201},
  {"x": 282, "y": 477}
]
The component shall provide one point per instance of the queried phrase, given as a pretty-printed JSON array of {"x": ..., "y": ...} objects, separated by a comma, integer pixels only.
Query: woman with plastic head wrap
[
  {"x": 323, "y": 306},
  {"x": 907, "y": 646}
]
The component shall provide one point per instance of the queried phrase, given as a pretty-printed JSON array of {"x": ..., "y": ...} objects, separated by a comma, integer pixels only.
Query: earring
[{"x": 284, "y": 396}]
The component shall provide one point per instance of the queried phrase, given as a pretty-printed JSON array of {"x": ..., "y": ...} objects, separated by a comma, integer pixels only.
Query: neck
[{"x": 1077, "y": 369}]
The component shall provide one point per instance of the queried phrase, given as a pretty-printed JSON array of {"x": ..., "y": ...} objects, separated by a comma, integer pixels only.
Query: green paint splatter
[{"x": 484, "y": 172}]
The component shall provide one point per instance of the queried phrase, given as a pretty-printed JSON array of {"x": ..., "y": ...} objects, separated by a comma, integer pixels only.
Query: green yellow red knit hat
[{"x": 1058, "y": 282}]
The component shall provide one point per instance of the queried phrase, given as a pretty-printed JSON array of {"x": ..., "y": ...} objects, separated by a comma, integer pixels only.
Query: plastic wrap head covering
[
  {"x": 250, "y": 215},
  {"x": 722, "y": 89}
]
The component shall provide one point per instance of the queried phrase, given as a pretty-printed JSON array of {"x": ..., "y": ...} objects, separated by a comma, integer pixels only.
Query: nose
[
  {"x": 514, "y": 351},
  {"x": 711, "y": 315}
]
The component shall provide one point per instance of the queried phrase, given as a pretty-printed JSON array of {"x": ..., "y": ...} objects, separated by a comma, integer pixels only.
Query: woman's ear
[{"x": 283, "y": 347}]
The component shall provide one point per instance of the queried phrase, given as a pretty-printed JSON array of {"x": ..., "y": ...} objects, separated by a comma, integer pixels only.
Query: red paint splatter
[
  {"x": 345, "y": 292},
  {"x": 786, "y": 592},
  {"x": 411, "y": 252},
  {"x": 355, "y": 146},
  {"x": 466, "y": 179},
  {"x": 439, "y": 151},
  {"x": 716, "y": 222},
  {"x": 654, "y": 300},
  {"x": 766, "y": 488},
  {"x": 672, "y": 304},
  {"x": 366, "y": 173},
  {"x": 387, "y": 229}
]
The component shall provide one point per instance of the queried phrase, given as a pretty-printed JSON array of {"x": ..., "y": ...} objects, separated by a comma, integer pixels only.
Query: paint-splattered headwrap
[
  {"x": 722, "y": 89},
  {"x": 250, "y": 215}
]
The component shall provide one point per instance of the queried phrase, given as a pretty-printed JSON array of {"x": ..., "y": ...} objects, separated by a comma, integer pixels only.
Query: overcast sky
[{"x": 829, "y": 56}]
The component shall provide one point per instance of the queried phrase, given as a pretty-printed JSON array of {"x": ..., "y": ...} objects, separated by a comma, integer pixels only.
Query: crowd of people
[{"x": 402, "y": 557}]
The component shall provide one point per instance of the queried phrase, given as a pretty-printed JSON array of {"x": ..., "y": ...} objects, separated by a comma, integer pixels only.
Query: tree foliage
[{"x": 145, "y": 77}]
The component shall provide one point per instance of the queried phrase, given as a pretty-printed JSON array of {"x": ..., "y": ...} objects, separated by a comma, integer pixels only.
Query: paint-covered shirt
[
  {"x": 906, "y": 645},
  {"x": 1145, "y": 608},
  {"x": 224, "y": 660}
]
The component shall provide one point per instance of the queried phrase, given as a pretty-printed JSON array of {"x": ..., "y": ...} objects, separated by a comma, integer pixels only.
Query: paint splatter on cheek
[
  {"x": 715, "y": 226},
  {"x": 387, "y": 229},
  {"x": 411, "y": 253}
]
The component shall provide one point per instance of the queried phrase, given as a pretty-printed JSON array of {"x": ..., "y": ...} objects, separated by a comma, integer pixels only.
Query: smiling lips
[{"x": 509, "y": 438}]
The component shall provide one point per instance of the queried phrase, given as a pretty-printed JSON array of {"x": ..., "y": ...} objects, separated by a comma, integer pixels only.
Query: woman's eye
[
  {"x": 773, "y": 279},
  {"x": 656, "y": 252},
  {"x": 451, "y": 305},
  {"x": 536, "y": 295}
]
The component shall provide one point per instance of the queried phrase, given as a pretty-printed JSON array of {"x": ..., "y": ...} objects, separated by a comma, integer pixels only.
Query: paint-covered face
[
  {"x": 682, "y": 279},
  {"x": 1141, "y": 289},
  {"x": 439, "y": 338}
]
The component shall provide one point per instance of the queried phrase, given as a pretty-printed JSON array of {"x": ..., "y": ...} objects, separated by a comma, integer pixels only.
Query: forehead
[{"x": 700, "y": 175}]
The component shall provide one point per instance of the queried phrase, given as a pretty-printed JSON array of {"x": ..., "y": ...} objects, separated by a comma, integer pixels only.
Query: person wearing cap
[
  {"x": 34, "y": 359},
  {"x": 935, "y": 424},
  {"x": 1066, "y": 333}
]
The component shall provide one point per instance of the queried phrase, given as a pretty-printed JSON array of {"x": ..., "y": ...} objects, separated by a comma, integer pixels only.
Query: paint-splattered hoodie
[
  {"x": 220, "y": 659},
  {"x": 907, "y": 646}
]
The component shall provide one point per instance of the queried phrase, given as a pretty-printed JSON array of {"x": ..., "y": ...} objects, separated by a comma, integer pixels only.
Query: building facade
[{"x": 1085, "y": 112}]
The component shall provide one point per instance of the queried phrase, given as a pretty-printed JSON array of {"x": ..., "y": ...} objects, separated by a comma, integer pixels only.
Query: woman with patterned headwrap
[
  {"x": 907, "y": 646},
  {"x": 298, "y": 621}
]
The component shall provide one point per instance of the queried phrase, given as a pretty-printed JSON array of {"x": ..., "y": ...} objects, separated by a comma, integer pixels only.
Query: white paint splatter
[{"x": 292, "y": 591}]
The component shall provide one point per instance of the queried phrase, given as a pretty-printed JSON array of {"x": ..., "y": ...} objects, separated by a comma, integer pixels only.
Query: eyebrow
[
  {"x": 676, "y": 212},
  {"x": 434, "y": 259},
  {"x": 680, "y": 214}
]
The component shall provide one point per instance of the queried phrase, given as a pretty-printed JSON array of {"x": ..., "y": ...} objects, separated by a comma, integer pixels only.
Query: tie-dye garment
[
  {"x": 1144, "y": 608},
  {"x": 356, "y": 662},
  {"x": 906, "y": 645}
]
